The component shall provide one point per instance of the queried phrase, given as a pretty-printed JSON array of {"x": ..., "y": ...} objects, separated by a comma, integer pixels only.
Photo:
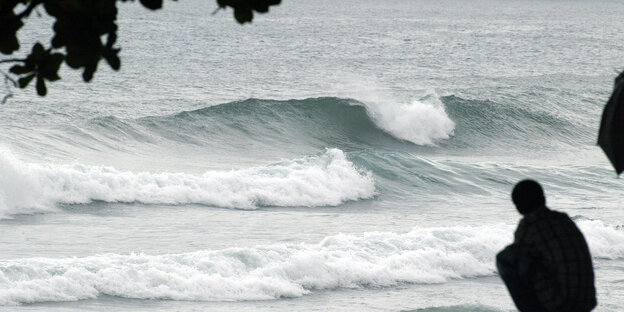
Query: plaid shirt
[{"x": 563, "y": 277}]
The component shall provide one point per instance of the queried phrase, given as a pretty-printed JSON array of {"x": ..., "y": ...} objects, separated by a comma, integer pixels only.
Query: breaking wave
[
  {"x": 328, "y": 179},
  {"x": 377, "y": 259},
  {"x": 446, "y": 123},
  {"x": 450, "y": 122},
  {"x": 313, "y": 122},
  {"x": 421, "y": 122}
]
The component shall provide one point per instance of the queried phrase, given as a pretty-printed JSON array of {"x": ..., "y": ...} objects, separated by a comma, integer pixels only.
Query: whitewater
[
  {"x": 334, "y": 156},
  {"x": 326, "y": 180},
  {"x": 378, "y": 259}
]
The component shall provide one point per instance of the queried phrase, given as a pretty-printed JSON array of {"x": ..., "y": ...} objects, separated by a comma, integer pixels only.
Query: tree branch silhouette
[{"x": 79, "y": 29}]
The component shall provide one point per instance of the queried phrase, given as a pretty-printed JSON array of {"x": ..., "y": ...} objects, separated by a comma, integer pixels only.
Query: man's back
[{"x": 563, "y": 277}]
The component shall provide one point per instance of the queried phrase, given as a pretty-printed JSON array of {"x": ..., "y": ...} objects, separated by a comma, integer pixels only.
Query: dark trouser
[{"x": 515, "y": 272}]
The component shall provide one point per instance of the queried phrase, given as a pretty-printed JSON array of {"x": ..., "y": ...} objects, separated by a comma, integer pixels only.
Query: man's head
[{"x": 528, "y": 195}]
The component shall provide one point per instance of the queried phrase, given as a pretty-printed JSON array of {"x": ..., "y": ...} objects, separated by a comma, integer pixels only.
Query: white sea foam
[
  {"x": 424, "y": 255},
  {"x": 265, "y": 272},
  {"x": 604, "y": 241},
  {"x": 421, "y": 121},
  {"x": 328, "y": 179}
]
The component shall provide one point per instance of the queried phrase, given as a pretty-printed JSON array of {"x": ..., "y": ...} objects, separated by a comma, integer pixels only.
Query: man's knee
[{"x": 506, "y": 260}]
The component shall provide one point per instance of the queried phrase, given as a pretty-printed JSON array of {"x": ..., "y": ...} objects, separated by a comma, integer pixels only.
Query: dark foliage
[{"x": 85, "y": 32}]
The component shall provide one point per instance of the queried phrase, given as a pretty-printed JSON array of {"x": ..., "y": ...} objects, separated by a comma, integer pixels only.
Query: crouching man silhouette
[{"x": 548, "y": 267}]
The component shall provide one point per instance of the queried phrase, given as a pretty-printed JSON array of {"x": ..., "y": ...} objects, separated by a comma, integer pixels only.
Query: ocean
[{"x": 348, "y": 155}]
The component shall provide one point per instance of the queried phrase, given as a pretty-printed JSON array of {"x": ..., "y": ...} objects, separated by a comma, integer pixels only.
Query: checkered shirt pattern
[{"x": 564, "y": 276}]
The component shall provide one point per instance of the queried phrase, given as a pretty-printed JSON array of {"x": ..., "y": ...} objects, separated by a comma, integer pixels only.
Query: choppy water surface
[{"x": 331, "y": 156}]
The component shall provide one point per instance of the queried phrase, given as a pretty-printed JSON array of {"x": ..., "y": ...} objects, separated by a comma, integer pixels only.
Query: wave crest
[
  {"x": 424, "y": 255},
  {"x": 328, "y": 179},
  {"x": 421, "y": 122},
  {"x": 312, "y": 122},
  {"x": 258, "y": 273}
]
